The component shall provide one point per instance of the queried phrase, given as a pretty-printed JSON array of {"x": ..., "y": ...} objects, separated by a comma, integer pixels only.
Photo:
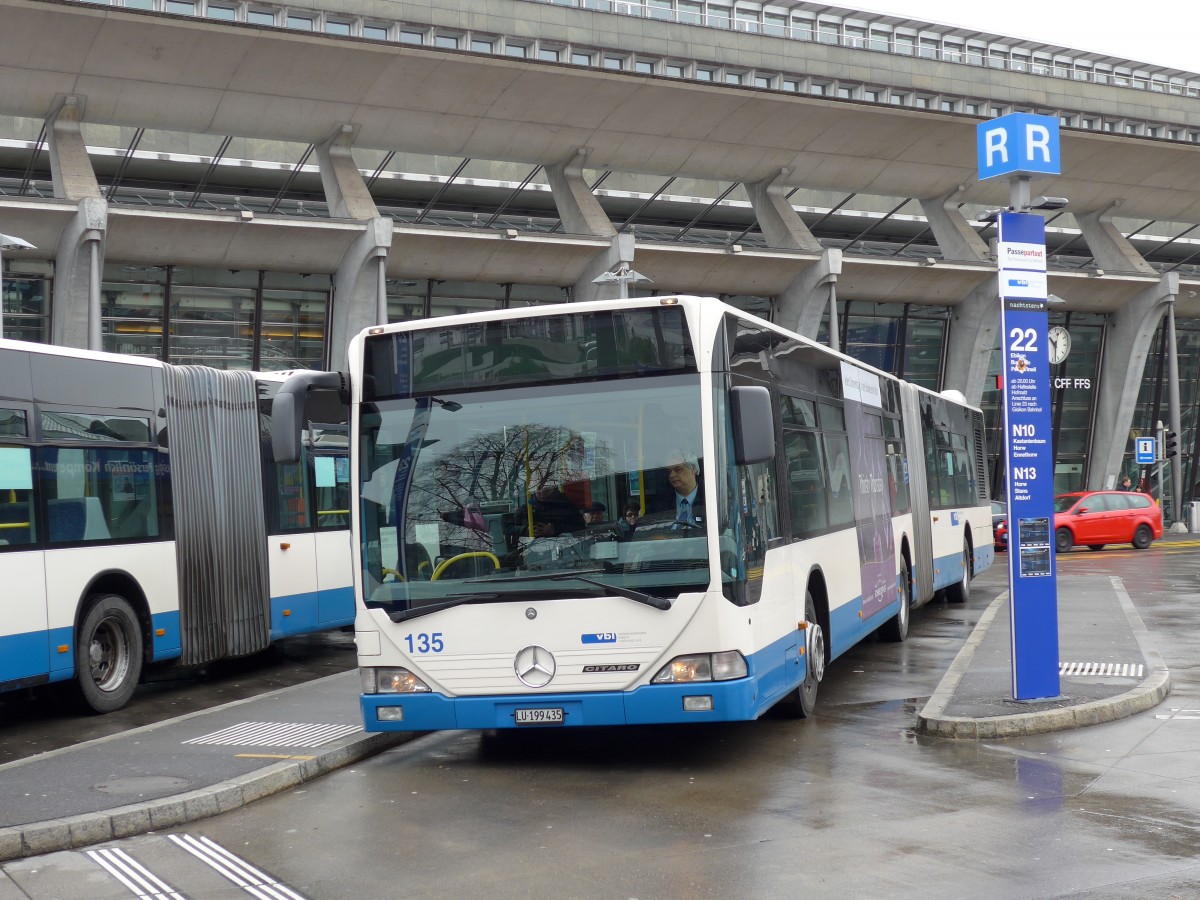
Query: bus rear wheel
[
  {"x": 108, "y": 654},
  {"x": 895, "y": 629},
  {"x": 961, "y": 592}
]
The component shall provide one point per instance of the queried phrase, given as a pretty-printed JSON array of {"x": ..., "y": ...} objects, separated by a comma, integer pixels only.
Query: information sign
[
  {"x": 1029, "y": 455},
  {"x": 1145, "y": 452}
]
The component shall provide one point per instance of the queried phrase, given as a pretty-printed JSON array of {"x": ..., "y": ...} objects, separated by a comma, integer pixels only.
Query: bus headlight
[
  {"x": 702, "y": 667},
  {"x": 391, "y": 681}
]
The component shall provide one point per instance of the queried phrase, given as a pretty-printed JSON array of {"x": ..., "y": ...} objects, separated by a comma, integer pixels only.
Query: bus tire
[
  {"x": 108, "y": 654},
  {"x": 895, "y": 629},
  {"x": 802, "y": 700},
  {"x": 961, "y": 592}
]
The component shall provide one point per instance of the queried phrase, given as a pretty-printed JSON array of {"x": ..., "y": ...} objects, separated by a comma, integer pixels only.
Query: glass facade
[
  {"x": 903, "y": 339},
  {"x": 26, "y": 301},
  {"x": 1153, "y": 406},
  {"x": 430, "y": 298},
  {"x": 225, "y": 319}
]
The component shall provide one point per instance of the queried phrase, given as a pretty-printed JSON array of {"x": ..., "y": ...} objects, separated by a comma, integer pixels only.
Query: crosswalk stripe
[
  {"x": 251, "y": 880},
  {"x": 127, "y": 870}
]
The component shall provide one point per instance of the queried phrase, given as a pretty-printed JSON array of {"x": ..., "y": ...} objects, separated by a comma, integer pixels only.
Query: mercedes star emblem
[{"x": 534, "y": 666}]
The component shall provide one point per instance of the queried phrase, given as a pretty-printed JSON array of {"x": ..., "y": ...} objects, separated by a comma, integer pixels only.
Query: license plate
[{"x": 539, "y": 716}]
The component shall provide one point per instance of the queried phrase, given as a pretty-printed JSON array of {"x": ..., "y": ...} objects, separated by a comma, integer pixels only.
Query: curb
[
  {"x": 1152, "y": 690},
  {"x": 70, "y": 833}
]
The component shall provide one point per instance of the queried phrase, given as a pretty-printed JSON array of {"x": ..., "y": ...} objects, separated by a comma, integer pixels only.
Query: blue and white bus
[
  {"x": 825, "y": 500},
  {"x": 143, "y": 518}
]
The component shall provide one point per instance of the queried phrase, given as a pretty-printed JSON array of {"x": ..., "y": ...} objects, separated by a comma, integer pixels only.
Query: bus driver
[{"x": 687, "y": 504}]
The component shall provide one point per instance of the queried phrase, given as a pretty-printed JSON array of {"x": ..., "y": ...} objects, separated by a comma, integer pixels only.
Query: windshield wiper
[
  {"x": 628, "y": 593},
  {"x": 416, "y": 612}
]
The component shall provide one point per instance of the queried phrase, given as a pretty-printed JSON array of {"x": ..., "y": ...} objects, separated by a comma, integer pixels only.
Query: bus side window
[
  {"x": 841, "y": 500},
  {"x": 806, "y": 483},
  {"x": 286, "y": 496},
  {"x": 100, "y": 493},
  {"x": 17, "y": 525},
  {"x": 331, "y": 481},
  {"x": 133, "y": 489}
]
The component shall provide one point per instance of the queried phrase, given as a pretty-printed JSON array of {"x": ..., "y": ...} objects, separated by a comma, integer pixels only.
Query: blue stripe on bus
[
  {"x": 948, "y": 570},
  {"x": 33, "y": 657},
  {"x": 311, "y": 611},
  {"x": 24, "y": 655},
  {"x": 170, "y": 644},
  {"x": 773, "y": 672}
]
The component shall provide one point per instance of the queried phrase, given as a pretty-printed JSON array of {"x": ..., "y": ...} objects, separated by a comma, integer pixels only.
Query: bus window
[
  {"x": 331, "y": 482},
  {"x": 12, "y": 423},
  {"x": 806, "y": 483},
  {"x": 837, "y": 460},
  {"x": 286, "y": 497},
  {"x": 17, "y": 526},
  {"x": 99, "y": 493}
]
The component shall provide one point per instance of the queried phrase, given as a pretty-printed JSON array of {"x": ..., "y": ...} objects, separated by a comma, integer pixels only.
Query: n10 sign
[{"x": 1018, "y": 144}]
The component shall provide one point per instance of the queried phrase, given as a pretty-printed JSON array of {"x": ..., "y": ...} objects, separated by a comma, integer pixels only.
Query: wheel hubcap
[
  {"x": 108, "y": 655},
  {"x": 815, "y": 649}
]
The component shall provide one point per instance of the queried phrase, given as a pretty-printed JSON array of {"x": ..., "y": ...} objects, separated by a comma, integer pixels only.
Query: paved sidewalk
[
  {"x": 188, "y": 768},
  {"x": 1108, "y": 669}
]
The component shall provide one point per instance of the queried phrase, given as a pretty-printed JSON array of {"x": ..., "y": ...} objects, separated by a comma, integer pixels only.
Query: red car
[{"x": 1096, "y": 518}]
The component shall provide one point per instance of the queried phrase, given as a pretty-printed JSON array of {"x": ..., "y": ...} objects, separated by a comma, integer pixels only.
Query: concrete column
[
  {"x": 621, "y": 250},
  {"x": 803, "y": 303},
  {"x": 973, "y": 334},
  {"x": 345, "y": 190},
  {"x": 781, "y": 225},
  {"x": 70, "y": 168},
  {"x": 1127, "y": 336},
  {"x": 578, "y": 207},
  {"x": 1112, "y": 251},
  {"x": 953, "y": 233},
  {"x": 357, "y": 288},
  {"x": 78, "y": 271}
]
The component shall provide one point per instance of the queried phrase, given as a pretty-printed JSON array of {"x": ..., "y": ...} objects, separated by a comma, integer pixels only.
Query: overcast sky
[{"x": 1166, "y": 32}]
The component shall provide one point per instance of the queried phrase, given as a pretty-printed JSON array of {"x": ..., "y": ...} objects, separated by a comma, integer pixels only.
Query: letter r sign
[{"x": 1018, "y": 144}]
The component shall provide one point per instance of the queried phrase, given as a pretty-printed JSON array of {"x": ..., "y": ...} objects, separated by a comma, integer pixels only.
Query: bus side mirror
[
  {"x": 287, "y": 410},
  {"x": 753, "y": 424}
]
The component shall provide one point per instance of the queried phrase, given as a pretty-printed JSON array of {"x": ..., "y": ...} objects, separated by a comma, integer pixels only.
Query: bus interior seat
[
  {"x": 417, "y": 563},
  {"x": 76, "y": 519}
]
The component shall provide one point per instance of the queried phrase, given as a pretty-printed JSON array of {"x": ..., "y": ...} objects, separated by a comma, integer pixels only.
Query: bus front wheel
[
  {"x": 108, "y": 654},
  {"x": 801, "y": 702}
]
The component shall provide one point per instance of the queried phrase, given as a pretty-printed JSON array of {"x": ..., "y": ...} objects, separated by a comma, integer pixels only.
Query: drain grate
[
  {"x": 275, "y": 734},
  {"x": 1111, "y": 670}
]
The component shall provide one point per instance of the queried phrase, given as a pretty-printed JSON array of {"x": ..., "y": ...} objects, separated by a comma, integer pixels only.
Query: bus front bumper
[{"x": 722, "y": 701}]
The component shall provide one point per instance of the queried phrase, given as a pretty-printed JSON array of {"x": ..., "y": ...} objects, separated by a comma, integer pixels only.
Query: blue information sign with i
[{"x": 1029, "y": 455}]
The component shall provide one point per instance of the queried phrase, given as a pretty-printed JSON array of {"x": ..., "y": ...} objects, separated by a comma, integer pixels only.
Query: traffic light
[{"x": 1170, "y": 444}]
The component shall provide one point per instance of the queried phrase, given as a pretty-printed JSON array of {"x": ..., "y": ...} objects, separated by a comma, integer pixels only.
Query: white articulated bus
[
  {"x": 143, "y": 518},
  {"x": 524, "y": 554}
]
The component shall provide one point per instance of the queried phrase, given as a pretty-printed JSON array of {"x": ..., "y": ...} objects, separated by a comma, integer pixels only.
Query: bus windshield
[{"x": 547, "y": 490}]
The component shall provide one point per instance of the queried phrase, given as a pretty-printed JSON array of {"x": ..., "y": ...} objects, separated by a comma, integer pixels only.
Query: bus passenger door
[
  {"x": 291, "y": 553},
  {"x": 24, "y": 638},
  {"x": 335, "y": 584},
  {"x": 292, "y": 562}
]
